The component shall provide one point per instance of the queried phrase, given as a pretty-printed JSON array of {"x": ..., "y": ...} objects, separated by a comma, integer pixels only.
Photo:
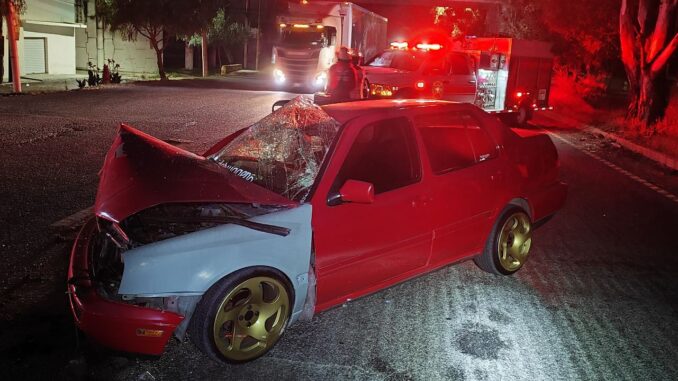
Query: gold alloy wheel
[
  {"x": 251, "y": 318},
  {"x": 514, "y": 241}
]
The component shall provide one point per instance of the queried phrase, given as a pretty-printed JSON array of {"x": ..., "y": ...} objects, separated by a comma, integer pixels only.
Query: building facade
[
  {"x": 96, "y": 44},
  {"x": 58, "y": 37}
]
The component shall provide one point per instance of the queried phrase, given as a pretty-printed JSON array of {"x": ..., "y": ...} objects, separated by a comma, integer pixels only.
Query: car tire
[
  {"x": 508, "y": 245},
  {"x": 250, "y": 320}
]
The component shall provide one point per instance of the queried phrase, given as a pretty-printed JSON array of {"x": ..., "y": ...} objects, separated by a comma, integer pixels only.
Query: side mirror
[{"x": 359, "y": 192}]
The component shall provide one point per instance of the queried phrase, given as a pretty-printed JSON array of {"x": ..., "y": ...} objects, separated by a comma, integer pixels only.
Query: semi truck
[
  {"x": 311, "y": 33},
  {"x": 514, "y": 76}
]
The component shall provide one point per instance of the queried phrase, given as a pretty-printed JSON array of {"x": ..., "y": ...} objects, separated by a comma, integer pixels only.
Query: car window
[
  {"x": 484, "y": 148},
  {"x": 384, "y": 154},
  {"x": 400, "y": 60},
  {"x": 436, "y": 64},
  {"x": 459, "y": 64},
  {"x": 446, "y": 141}
]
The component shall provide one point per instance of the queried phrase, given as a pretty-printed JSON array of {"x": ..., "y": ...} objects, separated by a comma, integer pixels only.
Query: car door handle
[{"x": 421, "y": 201}]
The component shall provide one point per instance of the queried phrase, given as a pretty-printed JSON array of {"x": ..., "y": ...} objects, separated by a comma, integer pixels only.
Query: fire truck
[
  {"x": 506, "y": 76},
  {"x": 514, "y": 76}
]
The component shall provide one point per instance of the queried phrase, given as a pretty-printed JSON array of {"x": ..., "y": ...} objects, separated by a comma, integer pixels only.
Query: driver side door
[{"x": 362, "y": 247}]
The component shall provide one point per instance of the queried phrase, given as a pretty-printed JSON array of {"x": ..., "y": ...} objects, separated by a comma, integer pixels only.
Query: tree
[
  {"x": 584, "y": 35},
  {"x": 460, "y": 21},
  {"x": 522, "y": 19},
  {"x": 157, "y": 20},
  {"x": 649, "y": 39},
  {"x": 225, "y": 32}
]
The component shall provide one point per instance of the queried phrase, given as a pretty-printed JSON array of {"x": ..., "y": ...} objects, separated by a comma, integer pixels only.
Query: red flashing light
[
  {"x": 429, "y": 46},
  {"x": 420, "y": 85},
  {"x": 519, "y": 94},
  {"x": 399, "y": 45}
]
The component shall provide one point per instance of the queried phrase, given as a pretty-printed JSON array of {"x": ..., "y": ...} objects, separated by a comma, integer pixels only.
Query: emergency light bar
[
  {"x": 399, "y": 45},
  {"x": 301, "y": 26},
  {"x": 429, "y": 46}
]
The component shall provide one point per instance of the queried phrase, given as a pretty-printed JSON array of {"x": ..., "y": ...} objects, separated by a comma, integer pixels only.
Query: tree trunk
[
  {"x": 646, "y": 106},
  {"x": 161, "y": 65},
  {"x": 648, "y": 40}
]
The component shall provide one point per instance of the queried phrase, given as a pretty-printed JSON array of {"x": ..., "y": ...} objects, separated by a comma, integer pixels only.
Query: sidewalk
[
  {"x": 49, "y": 83},
  {"x": 669, "y": 161}
]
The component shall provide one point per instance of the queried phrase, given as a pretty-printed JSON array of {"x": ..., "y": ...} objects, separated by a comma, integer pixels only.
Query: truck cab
[
  {"x": 424, "y": 71},
  {"x": 310, "y": 34},
  {"x": 304, "y": 53}
]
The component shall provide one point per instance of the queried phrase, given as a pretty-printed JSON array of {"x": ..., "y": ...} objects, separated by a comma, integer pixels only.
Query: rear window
[
  {"x": 446, "y": 142},
  {"x": 484, "y": 148},
  {"x": 459, "y": 64},
  {"x": 454, "y": 141}
]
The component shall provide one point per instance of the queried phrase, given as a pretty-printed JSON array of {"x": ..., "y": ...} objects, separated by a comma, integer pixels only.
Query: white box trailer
[
  {"x": 311, "y": 33},
  {"x": 514, "y": 76}
]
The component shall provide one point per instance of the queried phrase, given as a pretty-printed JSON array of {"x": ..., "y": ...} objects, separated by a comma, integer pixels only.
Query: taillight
[{"x": 420, "y": 85}]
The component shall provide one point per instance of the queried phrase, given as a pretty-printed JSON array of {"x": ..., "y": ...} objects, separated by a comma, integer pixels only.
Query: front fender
[{"x": 192, "y": 263}]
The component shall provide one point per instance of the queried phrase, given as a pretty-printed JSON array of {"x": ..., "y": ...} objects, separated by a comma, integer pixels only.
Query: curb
[{"x": 658, "y": 157}]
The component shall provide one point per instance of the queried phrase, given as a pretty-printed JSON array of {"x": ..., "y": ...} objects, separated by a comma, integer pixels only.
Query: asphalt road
[{"x": 596, "y": 301}]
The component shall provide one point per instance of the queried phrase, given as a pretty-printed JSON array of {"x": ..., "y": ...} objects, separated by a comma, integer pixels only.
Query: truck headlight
[
  {"x": 278, "y": 75},
  {"x": 320, "y": 79}
]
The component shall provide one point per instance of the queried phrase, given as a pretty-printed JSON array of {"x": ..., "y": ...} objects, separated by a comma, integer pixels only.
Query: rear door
[
  {"x": 460, "y": 83},
  {"x": 462, "y": 191}
]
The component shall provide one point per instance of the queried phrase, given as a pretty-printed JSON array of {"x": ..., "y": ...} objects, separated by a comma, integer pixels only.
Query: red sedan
[{"x": 306, "y": 209}]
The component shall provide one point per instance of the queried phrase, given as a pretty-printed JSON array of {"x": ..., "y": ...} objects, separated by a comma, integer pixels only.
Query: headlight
[
  {"x": 382, "y": 90},
  {"x": 320, "y": 79},
  {"x": 278, "y": 75}
]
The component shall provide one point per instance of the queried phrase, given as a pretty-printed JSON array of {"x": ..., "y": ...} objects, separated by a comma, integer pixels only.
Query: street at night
[
  {"x": 597, "y": 300},
  {"x": 453, "y": 190}
]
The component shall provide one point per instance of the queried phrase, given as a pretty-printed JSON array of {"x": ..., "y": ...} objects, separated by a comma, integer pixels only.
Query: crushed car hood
[{"x": 141, "y": 171}]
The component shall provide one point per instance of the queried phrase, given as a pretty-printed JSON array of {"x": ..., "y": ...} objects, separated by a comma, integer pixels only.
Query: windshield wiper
[{"x": 266, "y": 228}]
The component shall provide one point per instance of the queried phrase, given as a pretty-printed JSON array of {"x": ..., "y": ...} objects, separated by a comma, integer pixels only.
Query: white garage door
[{"x": 34, "y": 55}]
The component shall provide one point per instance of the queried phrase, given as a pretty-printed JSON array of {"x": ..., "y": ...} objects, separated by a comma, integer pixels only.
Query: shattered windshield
[
  {"x": 284, "y": 151},
  {"x": 302, "y": 38},
  {"x": 397, "y": 60}
]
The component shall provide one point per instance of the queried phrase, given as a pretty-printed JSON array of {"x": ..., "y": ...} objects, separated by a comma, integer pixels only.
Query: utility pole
[
  {"x": 13, "y": 32},
  {"x": 256, "y": 59},
  {"x": 247, "y": 40},
  {"x": 205, "y": 67}
]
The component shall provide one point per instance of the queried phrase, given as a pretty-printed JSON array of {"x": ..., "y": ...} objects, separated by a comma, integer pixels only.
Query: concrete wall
[
  {"x": 59, "y": 47},
  {"x": 96, "y": 45},
  {"x": 59, "y": 11}
]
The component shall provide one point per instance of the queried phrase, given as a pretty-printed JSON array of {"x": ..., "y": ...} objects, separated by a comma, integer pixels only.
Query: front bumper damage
[{"x": 120, "y": 326}]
